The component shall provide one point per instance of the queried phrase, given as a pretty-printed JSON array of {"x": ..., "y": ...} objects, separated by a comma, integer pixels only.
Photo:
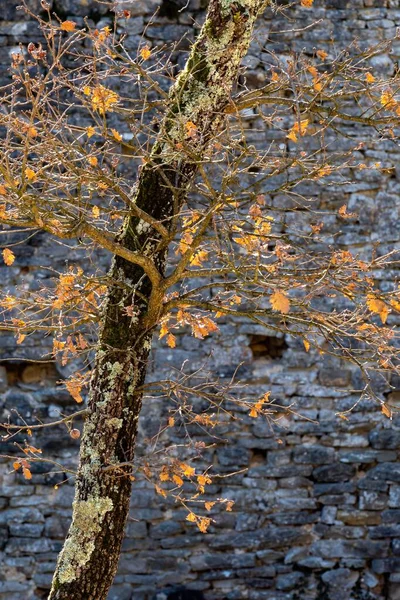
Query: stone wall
[{"x": 317, "y": 499}]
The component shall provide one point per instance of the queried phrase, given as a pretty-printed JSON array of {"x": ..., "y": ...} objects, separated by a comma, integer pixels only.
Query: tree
[{"x": 201, "y": 197}]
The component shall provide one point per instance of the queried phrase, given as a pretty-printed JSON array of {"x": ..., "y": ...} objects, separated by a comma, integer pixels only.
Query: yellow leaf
[
  {"x": 203, "y": 524},
  {"x": 3, "y": 190},
  {"x": 93, "y": 161},
  {"x": 292, "y": 136},
  {"x": 386, "y": 411},
  {"x": 103, "y": 99},
  {"x": 96, "y": 212},
  {"x": 187, "y": 470},
  {"x": 208, "y": 505},
  {"x": 198, "y": 258},
  {"x": 30, "y": 174},
  {"x": 164, "y": 475},
  {"x": 229, "y": 506},
  {"x": 306, "y": 345},
  {"x": 145, "y": 53},
  {"x": 16, "y": 465},
  {"x": 387, "y": 99},
  {"x": 171, "y": 340},
  {"x": 8, "y": 256},
  {"x": 68, "y": 26},
  {"x": 369, "y": 78},
  {"x": 378, "y": 307},
  {"x": 253, "y": 413},
  {"x": 90, "y": 131},
  {"x": 306, "y": 3},
  {"x": 178, "y": 480},
  {"x": 87, "y": 91},
  {"x": 280, "y": 302},
  {"x": 203, "y": 480},
  {"x": 163, "y": 330},
  {"x": 191, "y": 518},
  {"x": 171, "y": 422},
  {"x": 116, "y": 135}
]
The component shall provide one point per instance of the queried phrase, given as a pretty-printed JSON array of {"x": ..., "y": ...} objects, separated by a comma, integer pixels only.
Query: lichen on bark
[{"x": 78, "y": 547}]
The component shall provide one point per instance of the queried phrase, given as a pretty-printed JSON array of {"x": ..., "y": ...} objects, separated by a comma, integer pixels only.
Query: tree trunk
[{"x": 89, "y": 559}]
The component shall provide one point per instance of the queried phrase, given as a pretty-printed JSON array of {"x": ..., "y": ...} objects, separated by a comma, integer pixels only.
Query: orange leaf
[
  {"x": 68, "y": 26},
  {"x": 26, "y": 472},
  {"x": 171, "y": 340},
  {"x": 280, "y": 302},
  {"x": 386, "y": 411},
  {"x": 8, "y": 256}
]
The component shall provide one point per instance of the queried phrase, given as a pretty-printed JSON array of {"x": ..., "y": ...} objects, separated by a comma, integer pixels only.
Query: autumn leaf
[
  {"x": 199, "y": 258},
  {"x": 68, "y": 26},
  {"x": 3, "y": 190},
  {"x": 163, "y": 330},
  {"x": 96, "y": 212},
  {"x": 344, "y": 214},
  {"x": 191, "y": 129},
  {"x": 369, "y": 78},
  {"x": 203, "y": 480},
  {"x": 378, "y": 307},
  {"x": 298, "y": 129},
  {"x": 160, "y": 491},
  {"x": 31, "y": 132},
  {"x": 16, "y": 465},
  {"x": 92, "y": 160},
  {"x": 208, "y": 505},
  {"x": 116, "y": 134},
  {"x": 27, "y": 473},
  {"x": 191, "y": 518},
  {"x": 178, "y": 480},
  {"x": 145, "y": 52},
  {"x": 280, "y": 302},
  {"x": 8, "y": 256},
  {"x": 203, "y": 524},
  {"x": 306, "y": 345},
  {"x": 171, "y": 421},
  {"x": 20, "y": 338},
  {"x": 30, "y": 174},
  {"x": 74, "y": 386},
  {"x": 187, "y": 470},
  {"x": 306, "y": 3},
  {"x": 171, "y": 340},
  {"x": 386, "y": 411},
  {"x": 322, "y": 54},
  {"x": 90, "y": 131},
  {"x": 387, "y": 99},
  {"x": 103, "y": 99}
]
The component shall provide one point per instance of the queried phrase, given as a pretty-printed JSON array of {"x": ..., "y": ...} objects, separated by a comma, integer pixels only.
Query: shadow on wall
[{"x": 179, "y": 594}]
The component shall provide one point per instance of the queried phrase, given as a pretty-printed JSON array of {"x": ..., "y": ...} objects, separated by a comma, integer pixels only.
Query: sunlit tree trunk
[{"x": 89, "y": 558}]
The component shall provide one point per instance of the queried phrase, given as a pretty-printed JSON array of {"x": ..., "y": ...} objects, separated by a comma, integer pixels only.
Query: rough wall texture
[{"x": 317, "y": 512}]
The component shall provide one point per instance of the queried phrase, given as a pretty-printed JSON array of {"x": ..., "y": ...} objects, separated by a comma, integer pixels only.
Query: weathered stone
[{"x": 333, "y": 473}]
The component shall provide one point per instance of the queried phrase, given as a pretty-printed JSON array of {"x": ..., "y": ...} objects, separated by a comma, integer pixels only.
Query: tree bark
[{"x": 89, "y": 558}]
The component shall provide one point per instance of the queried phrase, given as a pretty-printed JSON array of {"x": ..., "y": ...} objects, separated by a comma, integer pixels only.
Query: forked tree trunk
[{"x": 88, "y": 561}]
